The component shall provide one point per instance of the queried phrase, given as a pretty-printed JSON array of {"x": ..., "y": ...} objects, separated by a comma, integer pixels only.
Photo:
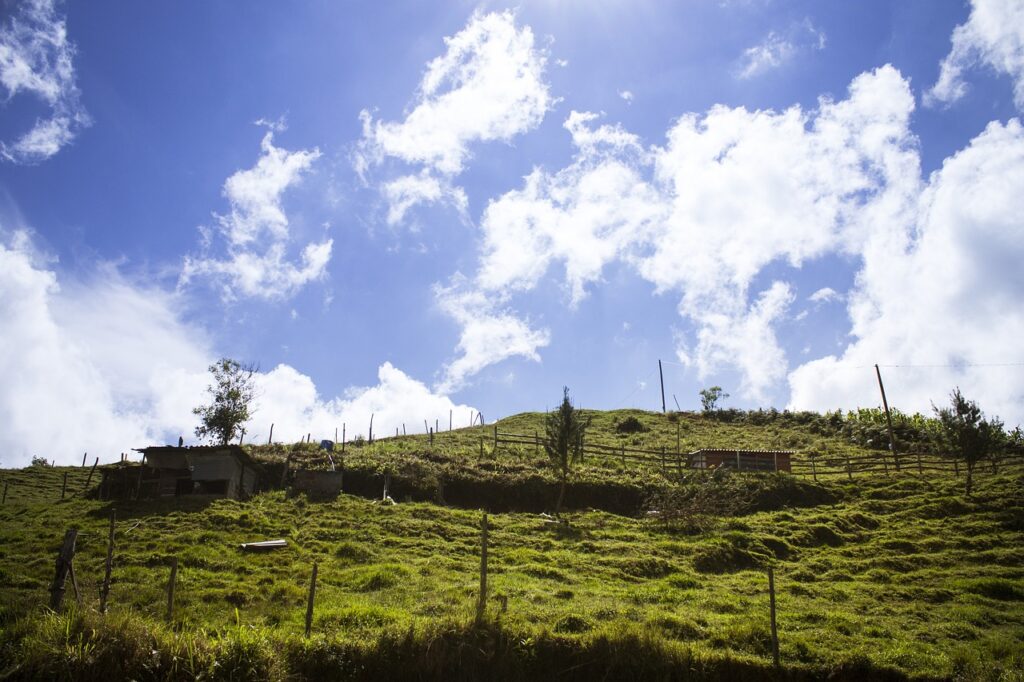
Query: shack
[
  {"x": 222, "y": 470},
  {"x": 743, "y": 460}
]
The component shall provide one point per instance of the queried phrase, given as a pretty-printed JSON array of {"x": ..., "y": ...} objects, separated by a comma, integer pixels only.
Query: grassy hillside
[{"x": 883, "y": 576}]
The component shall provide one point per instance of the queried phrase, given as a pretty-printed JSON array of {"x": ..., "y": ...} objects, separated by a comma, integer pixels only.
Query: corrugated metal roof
[
  {"x": 733, "y": 451},
  {"x": 199, "y": 450}
]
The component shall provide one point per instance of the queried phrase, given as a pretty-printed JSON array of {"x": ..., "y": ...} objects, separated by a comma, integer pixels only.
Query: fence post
[
  {"x": 431, "y": 436},
  {"x": 4, "y": 501},
  {"x": 737, "y": 460},
  {"x": 64, "y": 486},
  {"x": 956, "y": 470},
  {"x": 343, "y": 438},
  {"x": 449, "y": 420},
  {"x": 849, "y": 468},
  {"x": 270, "y": 438},
  {"x": 481, "y": 604},
  {"x": 481, "y": 447},
  {"x": 84, "y": 455},
  {"x": 920, "y": 469},
  {"x": 775, "y": 632},
  {"x": 170, "y": 588},
  {"x": 536, "y": 442},
  {"x": 105, "y": 588},
  {"x": 775, "y": 461},
  {"x": 623, "y": 455},
  {"x": 814, "y": 469},
  {"x": 309, "y": 602},
  {"x": 64, "y": 559},
  {"x": 495, "y": 436}
]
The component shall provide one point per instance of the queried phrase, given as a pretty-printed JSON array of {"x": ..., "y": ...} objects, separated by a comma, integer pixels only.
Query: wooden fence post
[
  {"x": 849, "y": 468},
  {"x": 89, "y": 479},
  {"x": 309, "y": 603},
  {"x": 775, "y": 632},
  {"x": 270, "y": 438},
  {"x": 956, "y": 470},
  {"x": 536, "y": 443},
  {"x": 814, "y": 469},
  {"x": 431, "y": 436},
  {"x": 64, "y": 486},
  {"x": 4, "y": 501},
  {"x": 170, "y": 588},
  {"x": 481, "y": 604},
  {"x": 64, "y": 559},
  {"x": 84, "y": 455},
  {"x": 775, "y": 461},
  {"x": 449, "y": 420},
  {"x": 920, "y": 469},
  {"x": 105, "y": 588},
  {"x": 495, "y": 436}
]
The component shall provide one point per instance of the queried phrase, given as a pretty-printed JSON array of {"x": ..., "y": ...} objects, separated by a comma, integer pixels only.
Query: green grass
[{"x": 882, "y": 576}]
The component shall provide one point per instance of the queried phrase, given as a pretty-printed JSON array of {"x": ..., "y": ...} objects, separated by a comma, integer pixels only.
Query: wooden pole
[
  {"x": 84, "y": 454},
  {"x": 270, "y": 438},
  {"x": 4, "y": 501},
  {"x": 436, "y": 429},
  {"x": 431, "y": 436},
  {"x": 170, "y": 588},
  {"x": 661, "y": 376},
  {"x": 343, "y": 438},
  {"x": 449, "y": 420},
  {"x": 495, "y": 436},
  {"x": 88, "y": 480},
  {"x": 105, "y": 588},
  {"x": 481, "y": 604},
  {"x": 814, "y": 469},
  {"x": 64, "y": 486},
  {"x": 309, "y": 602},
  {"x": 888, "y": 419},
  {"x": 371, "y": 427},
  {"x": 64, "y": 559},
  {"x": 956, "y": 470},
  {"x": 425, "y": 426},
  {"x": 920, "y": 470},
  {"x": 775, "y": 631}
]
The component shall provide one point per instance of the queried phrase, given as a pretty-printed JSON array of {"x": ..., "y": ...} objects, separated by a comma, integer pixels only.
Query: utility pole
[
  {"x": 888, "y": 419},
  {"x": 662, "y": 377}
]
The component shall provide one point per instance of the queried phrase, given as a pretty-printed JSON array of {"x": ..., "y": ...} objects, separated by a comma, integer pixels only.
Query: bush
[{"x": 630, "y": 425}]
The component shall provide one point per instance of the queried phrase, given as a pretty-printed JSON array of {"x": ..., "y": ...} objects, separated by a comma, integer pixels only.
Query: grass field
[{"x": 880, "y": 577}]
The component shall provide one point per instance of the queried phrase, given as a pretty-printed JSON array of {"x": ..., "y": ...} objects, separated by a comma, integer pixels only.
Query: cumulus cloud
[
  {"x": 778, "y": 49},
  {"x": 940, "y": 298},
  {"x": 487, "y": 86},
  {"x": 994, "y": 37},
  {"x": 289, "y": 400},
  {"x": 102, "y": 365},
  {"x": 489, "y": 333},
  {"x": 729, "y": 193},
  {"x": 36, "y": 58},
  {"x": 256, "y": 232}
]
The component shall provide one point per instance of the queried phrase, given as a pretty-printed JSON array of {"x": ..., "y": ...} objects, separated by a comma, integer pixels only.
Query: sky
[{"x": 424, "y": 211}]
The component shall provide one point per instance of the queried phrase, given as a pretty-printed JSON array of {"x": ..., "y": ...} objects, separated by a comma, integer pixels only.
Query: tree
[
  {"x": 967, "y": 434},
  {"x": 564, "y": 430},
  {"x": 232, "y": 391},
  {"x": 709, "y": 398}
]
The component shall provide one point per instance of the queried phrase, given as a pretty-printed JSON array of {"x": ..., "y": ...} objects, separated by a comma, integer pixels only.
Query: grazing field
[{"x": 889, "y": 576}]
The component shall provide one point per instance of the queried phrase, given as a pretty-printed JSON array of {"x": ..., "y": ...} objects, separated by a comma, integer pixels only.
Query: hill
[{"x": 880, "y": 574}]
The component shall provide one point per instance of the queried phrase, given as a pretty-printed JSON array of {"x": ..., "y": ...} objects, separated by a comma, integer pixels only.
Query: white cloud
[
  {"x": 36, "y": 58},
  {"x": 729, "y": 193},
  {"x": 626, "y": 95},
  {"x": 104, "y": 364},
  {"x": 824, "y": 295},
  {"x": 406, "y": 191},
  {"x": 487, "y": 86},
  {"x": 489, "y": 334},
  {"x": 743, "y": 340},
  {"x": 994, "y": 37},
  {"x": 945, "y": 290},
  {"x": 289, "y": 400},
  {"x": 256, "y": 231},
  {"x": 778, "y": 49}
]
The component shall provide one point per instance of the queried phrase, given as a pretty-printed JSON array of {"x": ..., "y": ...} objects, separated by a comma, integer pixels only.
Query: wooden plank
[{"x": 64, "y": 558}]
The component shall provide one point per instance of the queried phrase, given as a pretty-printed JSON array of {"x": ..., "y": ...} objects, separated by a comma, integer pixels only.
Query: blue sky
[{"x": 407, "y": 208}]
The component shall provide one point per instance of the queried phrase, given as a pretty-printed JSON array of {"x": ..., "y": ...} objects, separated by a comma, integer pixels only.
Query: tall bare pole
[
  {"x": 888, "y": 419},
  {"x": 662, "y": 377}
]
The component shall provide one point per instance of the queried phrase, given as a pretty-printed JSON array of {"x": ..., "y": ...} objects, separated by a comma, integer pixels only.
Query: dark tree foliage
[
  {"x": 967, "y": 434},
  {"x": 232, "y": 393},
  {"x": 564, "y": 430}
]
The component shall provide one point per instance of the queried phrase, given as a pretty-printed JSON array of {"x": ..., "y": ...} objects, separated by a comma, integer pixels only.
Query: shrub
[{"x": 630, "y": 425}]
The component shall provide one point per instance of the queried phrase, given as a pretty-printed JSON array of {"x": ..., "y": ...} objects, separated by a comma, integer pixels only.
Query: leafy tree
[
  {"x": 709, "y": 398},
  {"x": 232, "y": 393},
  {"x": 967, "y": 434},
  {"x": 564, "y": 430}
]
